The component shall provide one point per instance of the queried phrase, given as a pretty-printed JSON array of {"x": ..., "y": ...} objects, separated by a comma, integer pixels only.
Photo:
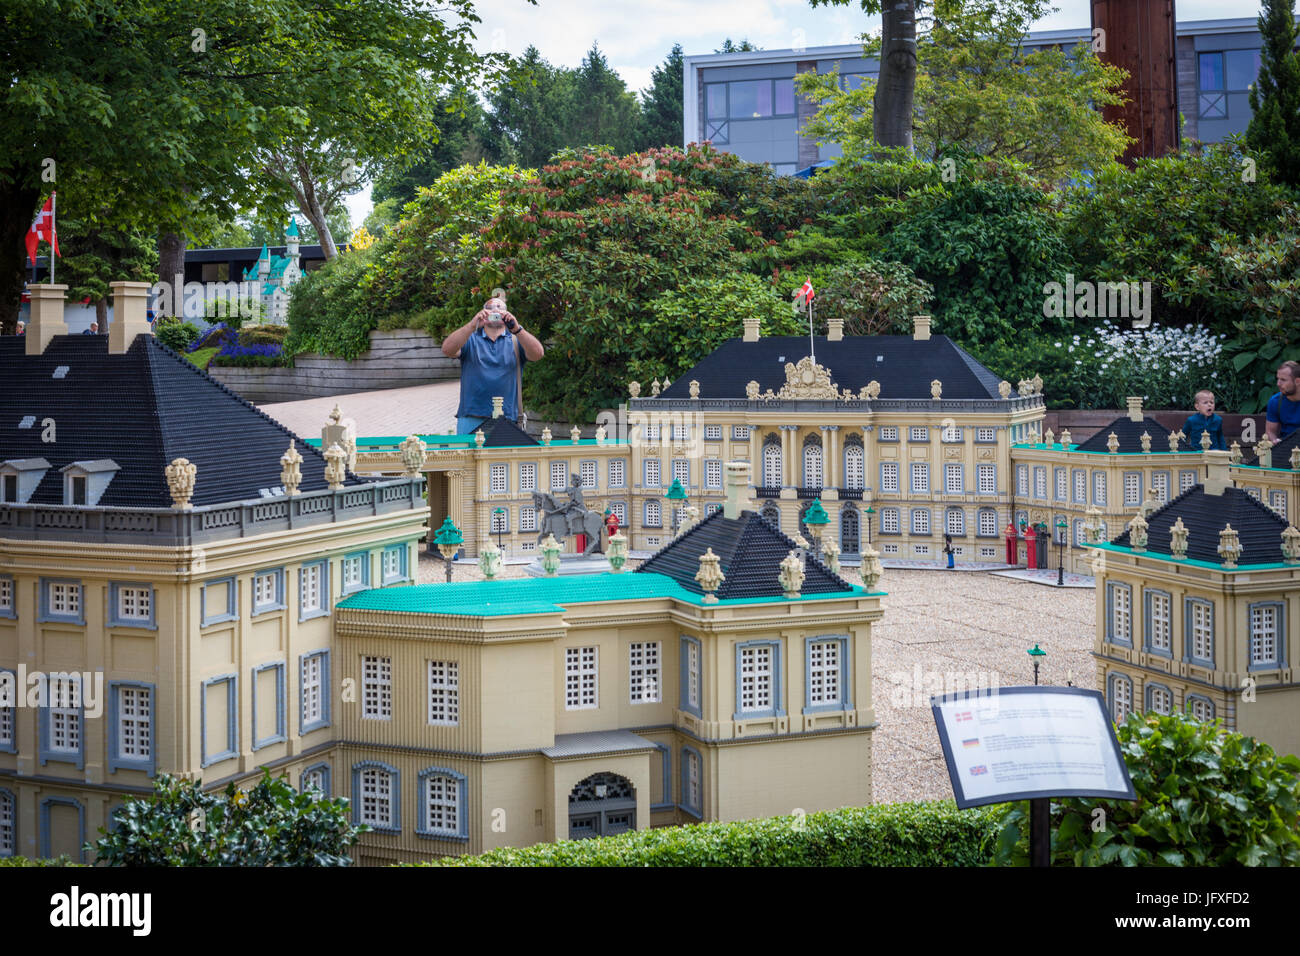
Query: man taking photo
[{"x": 493, "y": 348}]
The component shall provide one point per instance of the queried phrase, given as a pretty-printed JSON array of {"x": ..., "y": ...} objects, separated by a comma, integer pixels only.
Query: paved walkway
[
  {"x": 1038, "y": 576},
  {"x": 417, "y": 410}
]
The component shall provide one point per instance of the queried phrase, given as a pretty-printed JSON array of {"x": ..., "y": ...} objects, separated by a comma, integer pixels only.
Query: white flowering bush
[
  {"x": 1102, "y": 366},
  {"x": 1166, "y": 366}
]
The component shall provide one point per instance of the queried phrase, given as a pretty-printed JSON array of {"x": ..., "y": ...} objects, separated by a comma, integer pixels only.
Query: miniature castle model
[{"x": 276, "y": 275}]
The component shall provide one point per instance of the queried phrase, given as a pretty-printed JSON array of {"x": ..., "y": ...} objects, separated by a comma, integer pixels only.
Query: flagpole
[
  {"x": 54, "y": 203},
  {"x": 811, "y": 346}
]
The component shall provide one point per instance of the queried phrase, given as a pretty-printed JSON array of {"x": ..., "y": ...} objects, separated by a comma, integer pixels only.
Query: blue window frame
[
  {"x": 268, "y": 590},
  {"x": 692, "y": 796},
  {"x": 8, "y": 596},
  {"x": 8, "y": 813},
  {"x": 393, "y": 564},
  {"x": 313, "y": 691},
  {"x": 692, "y": 677},
  {"x": 1158, "y": 622},
  {"x": 1266, "y": 625},
  {"x": 9, "y": 691},
  {"x": 62, "y": 719},
  {"x": 758, "y": 680},
  {"x": 1158, "y": 696},
  {"x": 354, "y": 572},
  {"x": 219, "y": 750},
  {"x": 321, "y": 770},
  {"x": 277, "y": 734},
  {"x": 1099, "y": 488},
  {"x": 132, "y": 737},
  {"x": 62, "y": 600},
  {"x": 1119, "y": 614},
  {"x": 1198, "y": 631},
  {"x": 47, "y": 806},
  {"x": 826, "y": 674},
  {"x": 313, "y": 590},
  {"x": 218, "y": 601},
  {"x": 1200, "y": 707},
  {"x": 1119, "y": 696},
  {"x": 132, "y": 605},
  {"x": 394, "y": 799},
  {"x": 447, "y": 785},
  {"x": 665, "y": 801}
]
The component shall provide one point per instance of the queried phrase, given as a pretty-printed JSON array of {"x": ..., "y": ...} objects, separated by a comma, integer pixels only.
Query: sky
[{"x": 636, "y": 36}]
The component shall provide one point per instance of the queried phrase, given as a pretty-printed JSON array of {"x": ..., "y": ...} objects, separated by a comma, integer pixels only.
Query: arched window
[
  {"x": 1121, "y": 697},
  {"x": 854, "y": 466},
  {"x": 772, "y": 476},
  {"x": 653, "y": 514},
  {"x": 771, "y": 514},
  {"x": 812, "y": 464},
  {"x": 849, "y": 530}
]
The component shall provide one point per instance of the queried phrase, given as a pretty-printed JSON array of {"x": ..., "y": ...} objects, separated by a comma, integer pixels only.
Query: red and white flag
[
  {"x": 806, "y": 291},
  {"x": 43, "y": 229}
]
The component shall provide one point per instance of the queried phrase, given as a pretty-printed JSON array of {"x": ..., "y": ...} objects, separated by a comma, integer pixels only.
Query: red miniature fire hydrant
[
  {"x": 1011, "y": 544},
  {"x": 1031, "y": 547}
]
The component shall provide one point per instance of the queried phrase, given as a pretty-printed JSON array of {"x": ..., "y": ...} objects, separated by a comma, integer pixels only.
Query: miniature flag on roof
[{"x": 806, "y": 292}]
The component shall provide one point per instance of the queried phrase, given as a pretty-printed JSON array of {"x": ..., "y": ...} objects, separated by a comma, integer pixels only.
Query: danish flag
[
  {"x": 43, "y": 228},
  {"x": 806, "y": 291}
]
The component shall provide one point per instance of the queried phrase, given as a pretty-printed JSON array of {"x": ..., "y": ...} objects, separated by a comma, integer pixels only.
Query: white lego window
[
  {"x": 528, "y": 476},
  {"x": 1264, "y": 635},
  {"x": 644, "y": 672},
  {"x": 377, "y": 688},
  {"x": 497, "y": 478},
  {"x": 444, "y": 693},
  {"x": 134, "y": 604},
  {"x": 587, "y": 474},
  {"x": 617, "y": 477},
  {"x": 134, "y": 719},
  {"x": 988, "y": 523},
  {"x": 1121, "y": 697},
  {"x": 652, "y": 478},
  {"x": 1161, "y": 621},
  {"x": 313, "y": 689},
  {"x": 986, "y": 479},
  {"x": 824, "y": 672},
  {"x": 1161, "y": 701},
  {"x": 442, "y": 804},
  {"x": 953, "y": 483},
  {"x": 580, "y": 678},
  {"x": 920, "y": 476},
  {"x": 918, "y": 433},
  {"x": 854, "y": 467},
  {"x": 756, "y": 678},
  {"x": 889, "y": 433},
  {"x": 712, "y": 432},
  {"x": 559, "y": 475},
  {"x": 376, "y": 798},
  {"x": 527, "y": 518},
  {"x": 983, "y": 434},
  {"x": 888, "y": 477},
  {"x": 955, "y": 522},
  {"x": 713, "y": 473}
]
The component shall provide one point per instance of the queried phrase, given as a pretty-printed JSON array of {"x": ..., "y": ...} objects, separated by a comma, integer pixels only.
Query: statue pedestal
[{"x": 571, "y": 564}]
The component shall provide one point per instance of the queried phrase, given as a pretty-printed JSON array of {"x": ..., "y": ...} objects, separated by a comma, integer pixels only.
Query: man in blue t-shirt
[
  {"x": 493, "y": 348},
  {"x": 1284, "y": 408}
]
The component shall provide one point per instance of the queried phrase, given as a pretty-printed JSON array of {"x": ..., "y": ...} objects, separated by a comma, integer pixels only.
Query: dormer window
[
  {"x": 84, "y": 482},
  {"x": 19, "y": 478}
]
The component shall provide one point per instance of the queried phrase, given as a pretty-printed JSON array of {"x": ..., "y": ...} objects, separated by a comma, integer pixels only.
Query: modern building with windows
[
  {"x": 1197, "y": 612},
  {"x": 746, "y": 103}
]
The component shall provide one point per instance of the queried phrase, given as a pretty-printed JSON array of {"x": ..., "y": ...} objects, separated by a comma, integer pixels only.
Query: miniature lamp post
[
  {"x": 617, "y": 552},
  {"x": 1036, "y": 653},
  {"x": 499, "y": 514},
  {"x": 1060, "y": 552},
  {"x": 816, "y": 519},
  {"x": 675, "y": 494},
  {"x": 870, "y": 512},
  {"x": 448, "y": 539}
]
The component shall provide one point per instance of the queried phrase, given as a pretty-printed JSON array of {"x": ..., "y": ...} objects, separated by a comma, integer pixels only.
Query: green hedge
[
  {"x": 24, "y": 861},
  {"x": 891, "y": 834}
]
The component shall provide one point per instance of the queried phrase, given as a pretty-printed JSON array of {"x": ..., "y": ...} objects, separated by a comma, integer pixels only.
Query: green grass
[{"x": 202, "y": 357}]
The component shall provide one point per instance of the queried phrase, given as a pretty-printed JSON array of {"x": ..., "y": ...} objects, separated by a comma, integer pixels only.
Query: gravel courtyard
[{"x": 962, "y": 627}]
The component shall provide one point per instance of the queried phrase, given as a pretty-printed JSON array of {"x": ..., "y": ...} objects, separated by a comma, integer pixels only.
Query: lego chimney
[
  {"x": 497, "y": 406},
  {"x": 751, "y": 328},
  {"x": 1134, "y": 408},
  {"x": 921, "y": 328},
  {"x": 834, "y": 330},
  {"x": 130, "y": 315},
  {"x": 1216, "y": 472},
  {"x": 47, "y": 316},
  {"x": 737, "y": 489}
]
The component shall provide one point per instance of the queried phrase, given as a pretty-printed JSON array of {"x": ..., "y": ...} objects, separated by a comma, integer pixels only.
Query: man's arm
[
  {"x": 533, "y": 349},
  {"x": 453, "y": 343},
  {"x": 1273, "y": 419},
  {"x": 1273, "y": 430}
]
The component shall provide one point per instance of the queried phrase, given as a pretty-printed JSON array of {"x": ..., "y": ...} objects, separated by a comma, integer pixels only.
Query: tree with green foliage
[
  {"x": 661, "y": 105},
  {"x": 603, "y": 110},
  {"x": 460, "y": 142},
  {"x": 1274, "y": 129},
  {"x": 179, "y": 99},
  {"x": 1205, "y": 797},
  {"x": 730, "y": 46},
  {"x": 978, "y": 91},
  {"x": 268, "y": 825},
  {"x": 530, "y": 105}
]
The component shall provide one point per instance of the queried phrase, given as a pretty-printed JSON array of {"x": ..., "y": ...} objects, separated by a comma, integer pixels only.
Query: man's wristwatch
[{"x": 514, "y": 327}]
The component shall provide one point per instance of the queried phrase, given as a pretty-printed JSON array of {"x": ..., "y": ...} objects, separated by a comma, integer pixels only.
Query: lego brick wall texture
[
  {"x": 169, "y": 408},
  {"x": 396, "y": 359}
]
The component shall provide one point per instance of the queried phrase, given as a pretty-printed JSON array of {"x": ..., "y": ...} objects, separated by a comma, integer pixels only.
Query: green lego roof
[{"x": 541, "y": 595}]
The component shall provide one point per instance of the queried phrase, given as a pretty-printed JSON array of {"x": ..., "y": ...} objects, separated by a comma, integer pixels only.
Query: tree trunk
[
  {"x": 17, "y": 210},
  {"x": 101, "y": 314},
  {"x": 891, "y": 121},
  {"x": 171, "y": 266}
]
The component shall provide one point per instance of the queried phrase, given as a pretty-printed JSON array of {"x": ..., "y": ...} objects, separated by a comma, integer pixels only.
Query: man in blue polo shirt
[
  {"x": 1283, "y": 415},
  {"x": 493, "y": 348}
]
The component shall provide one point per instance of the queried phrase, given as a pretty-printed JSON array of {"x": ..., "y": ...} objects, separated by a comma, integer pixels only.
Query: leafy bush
[
  {"x": 263, "y": 334},
  {"x": 331, "y": 309},
  {"x": 269, "y": 825},
  {"x": 23, "y": 861},
  {"x": 174, "y": 333},
  {"x": 1206, "y": 797},
  {"x": 900, "y": 834},
  {"x": 872, "y": 297}
]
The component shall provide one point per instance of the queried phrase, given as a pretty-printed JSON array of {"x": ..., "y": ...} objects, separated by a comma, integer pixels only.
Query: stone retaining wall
[{"x": 396, "y": 359}]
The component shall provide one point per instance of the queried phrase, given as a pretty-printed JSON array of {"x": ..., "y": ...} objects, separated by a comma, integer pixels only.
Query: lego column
[
  {"x": 832, "y": 463},
  {"x": 47, "y": 316}
]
